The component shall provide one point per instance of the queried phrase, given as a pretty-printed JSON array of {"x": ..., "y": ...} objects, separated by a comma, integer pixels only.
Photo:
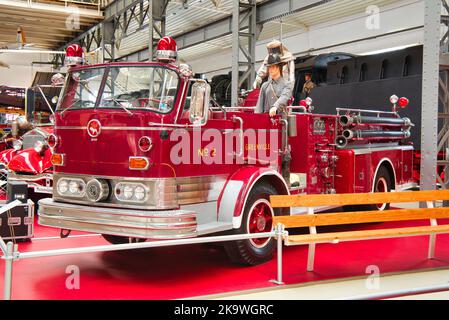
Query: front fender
[
  {"x": 30, "y": 161},
  {"x": 232, "y": 200},
  {"x": 7, "y": 155}
]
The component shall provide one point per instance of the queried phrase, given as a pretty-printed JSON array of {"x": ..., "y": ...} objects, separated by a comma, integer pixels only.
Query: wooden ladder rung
[{"x": 335, "y": 237}]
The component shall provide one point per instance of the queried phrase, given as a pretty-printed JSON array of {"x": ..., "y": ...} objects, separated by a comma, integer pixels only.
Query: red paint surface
[{"x": 194, "y": 270}]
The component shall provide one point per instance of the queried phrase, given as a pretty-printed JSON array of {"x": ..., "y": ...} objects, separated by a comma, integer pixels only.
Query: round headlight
[
  {"x": 63, "y": 186},
  {"x": 17, "y": 145},
  {"x": 128, "y": 192},
  {"x": 74, "y": 187},
  {"x": 139, "y": 193}
]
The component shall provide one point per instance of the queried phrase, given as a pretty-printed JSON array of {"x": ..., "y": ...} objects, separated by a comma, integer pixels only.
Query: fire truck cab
[{"x": 140, "y": 152}]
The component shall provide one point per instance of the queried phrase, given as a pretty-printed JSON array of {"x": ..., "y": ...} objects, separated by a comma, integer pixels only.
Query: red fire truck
[{"x": 140, "y": 152}]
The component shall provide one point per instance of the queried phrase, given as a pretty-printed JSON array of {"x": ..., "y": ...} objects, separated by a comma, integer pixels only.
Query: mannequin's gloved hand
[{"x": 257, "y": 82}]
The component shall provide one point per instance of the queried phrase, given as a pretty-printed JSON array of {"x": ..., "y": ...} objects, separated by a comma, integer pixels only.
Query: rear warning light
[
  {"x": 57, "y": 159},
  {"x": 138, "y": 163}
]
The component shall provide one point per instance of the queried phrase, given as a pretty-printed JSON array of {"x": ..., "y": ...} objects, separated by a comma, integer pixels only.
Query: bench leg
[
  {"x": 432, "y": 237},
  {"x": 311, "y": 258},
  {"x": 312, "y": 246}
]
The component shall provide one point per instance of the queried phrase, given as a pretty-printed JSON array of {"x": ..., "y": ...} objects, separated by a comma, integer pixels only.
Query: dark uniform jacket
[{"x": 274, "y": 93}]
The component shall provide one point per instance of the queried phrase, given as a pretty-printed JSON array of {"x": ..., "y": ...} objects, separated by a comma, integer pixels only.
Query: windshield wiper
[
  {"x": 120, "y": 104},
  {"x": 76, "y": 101}
]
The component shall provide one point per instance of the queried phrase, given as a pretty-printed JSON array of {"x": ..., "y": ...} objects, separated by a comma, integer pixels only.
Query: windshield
[{"x": 143, "y": 88}]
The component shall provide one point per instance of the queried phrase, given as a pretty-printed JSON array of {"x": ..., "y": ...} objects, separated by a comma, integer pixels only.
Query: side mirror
[
  {"x": 199, "y": 105},
  {"x": 57, "y": 79}
]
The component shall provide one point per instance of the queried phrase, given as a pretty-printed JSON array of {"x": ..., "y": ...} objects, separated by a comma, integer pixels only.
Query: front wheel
[{"x": 257, "y": 218}]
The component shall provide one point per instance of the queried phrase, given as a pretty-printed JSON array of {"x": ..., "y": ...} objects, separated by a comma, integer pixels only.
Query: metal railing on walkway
[{"x": 11, "y": 253}]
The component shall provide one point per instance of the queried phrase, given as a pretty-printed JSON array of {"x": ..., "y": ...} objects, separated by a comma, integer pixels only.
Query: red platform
[{"x": 196, "y": 270}]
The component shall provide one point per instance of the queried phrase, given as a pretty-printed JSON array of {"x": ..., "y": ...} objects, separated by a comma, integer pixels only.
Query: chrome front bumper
[{"x": 167, "y": 224}]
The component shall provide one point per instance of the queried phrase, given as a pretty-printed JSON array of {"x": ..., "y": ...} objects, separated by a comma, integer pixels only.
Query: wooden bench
[{"x": 312, "y": 220}]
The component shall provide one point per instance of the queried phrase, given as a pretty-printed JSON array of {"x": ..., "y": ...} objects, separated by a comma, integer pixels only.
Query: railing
[{"x": 11, "y": 253}]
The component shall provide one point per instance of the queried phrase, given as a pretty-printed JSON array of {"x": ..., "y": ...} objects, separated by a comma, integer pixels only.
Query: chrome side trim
[
  {"x": 371, "y": 150},
  {"x": 165, "y": 193},
  {"x": 162, "y": 127},
  {"x": 406, "y": 186},
  {"x": 21, "y": 177}
]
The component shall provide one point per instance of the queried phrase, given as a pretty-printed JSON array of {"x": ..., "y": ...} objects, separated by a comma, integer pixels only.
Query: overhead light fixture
[
  {"x": 388, "y": 49},
  {"x": 30, "y": 51}
]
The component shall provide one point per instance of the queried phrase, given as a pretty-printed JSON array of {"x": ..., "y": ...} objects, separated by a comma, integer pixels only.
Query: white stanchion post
[
  {"x": 9, "y": 259},
  {"x": 312, "y": 246},
  {"x": 433, "y": 237},
  {"x": 279, "y": 234}
]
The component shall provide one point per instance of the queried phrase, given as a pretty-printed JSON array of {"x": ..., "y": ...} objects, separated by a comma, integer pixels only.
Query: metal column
[
  {"x": 108, "y": 41},
  {"x": 156, "y": 21},
  {"x": 244, "y": 37},
  {"x": 429, "y": 114}
]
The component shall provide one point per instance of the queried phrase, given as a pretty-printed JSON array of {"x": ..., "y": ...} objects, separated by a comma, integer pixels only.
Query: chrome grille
[{"x": 29, "y": 140}]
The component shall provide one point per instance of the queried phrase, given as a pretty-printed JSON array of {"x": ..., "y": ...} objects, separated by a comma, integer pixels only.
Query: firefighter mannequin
[
  {"x": 288, "y": 70},
  {"x": 308, "y": 86},
  {"x": 274, "y": 98}
]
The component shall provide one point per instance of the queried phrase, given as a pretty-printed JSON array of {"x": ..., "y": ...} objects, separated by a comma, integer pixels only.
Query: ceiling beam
[
  {"x": 53, "y": 17},
  {"x": 30, "y": 38},
  {"x": 7, "y": 19},
  {"x": 50, "y": 9},
  {"x": 30, "y": 32}
]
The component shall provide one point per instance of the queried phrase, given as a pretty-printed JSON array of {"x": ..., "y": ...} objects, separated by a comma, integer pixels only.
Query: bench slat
[
  {"x": 336, "y": 237},
  {"x": 332, "y": 219},
  {"x": 357, "y": 198}
]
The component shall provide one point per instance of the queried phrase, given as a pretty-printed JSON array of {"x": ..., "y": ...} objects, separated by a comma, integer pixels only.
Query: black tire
[
  {"x": 121, "y": 240},
  {"x": 382, "y": 178},
  {"x": 246, "y": 252}
]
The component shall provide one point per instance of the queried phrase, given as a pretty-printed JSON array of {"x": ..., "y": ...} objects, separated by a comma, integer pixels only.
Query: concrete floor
[{"x": 349, "y": 288}]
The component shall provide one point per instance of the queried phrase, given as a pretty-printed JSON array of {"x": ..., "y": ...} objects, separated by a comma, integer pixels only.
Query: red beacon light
[
  {"x": 403, "y": 102},
  {"x": 167, "y": 50},
  {"x": 74, "y": 55}
]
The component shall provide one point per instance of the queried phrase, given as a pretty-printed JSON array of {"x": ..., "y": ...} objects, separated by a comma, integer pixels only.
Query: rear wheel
[
  {"x": 121, "y": 240},
  {"x": 382, "y": 183},
  {"x": 257, "y": 218}
]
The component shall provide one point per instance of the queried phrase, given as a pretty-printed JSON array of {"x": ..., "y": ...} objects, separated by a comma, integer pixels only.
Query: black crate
[{"x": 17, "y": 223}]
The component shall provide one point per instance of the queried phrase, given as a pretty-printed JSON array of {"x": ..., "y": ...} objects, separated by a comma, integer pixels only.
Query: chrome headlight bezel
[
  {"x": 68, "y": 193},
  {"x": 119, "y": 192}
]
